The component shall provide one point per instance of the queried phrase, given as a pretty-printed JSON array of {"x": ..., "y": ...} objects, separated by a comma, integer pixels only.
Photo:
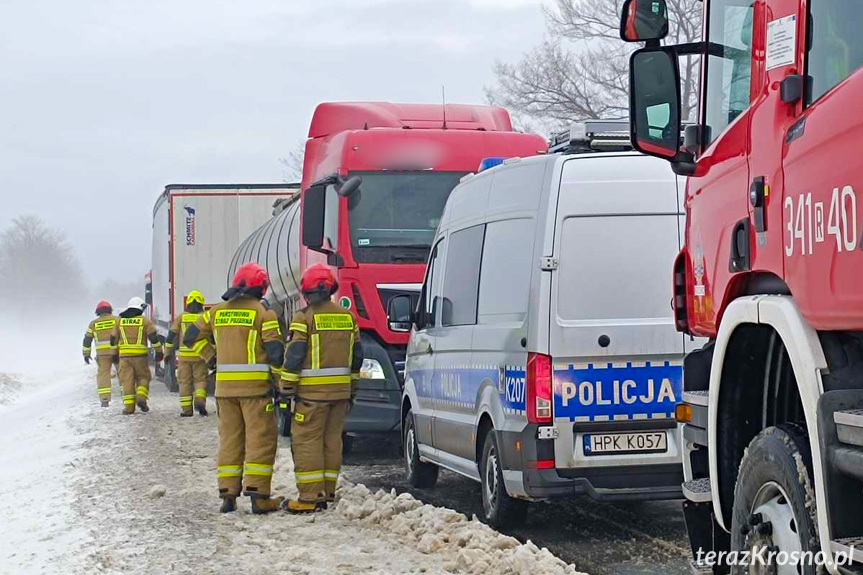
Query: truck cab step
[
  {"x": 698, "y": 490},
  {"x": 849, "y": 426},
  {"x": 853, "y": 545},
  {"x": 696, "y": 397},
  {"x": 696, "y": 569}
]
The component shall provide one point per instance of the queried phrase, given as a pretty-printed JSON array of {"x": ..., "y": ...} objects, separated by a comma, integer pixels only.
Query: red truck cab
[
  {"x": 771, "y": 271},
  {"x": 408, "y": 157}
]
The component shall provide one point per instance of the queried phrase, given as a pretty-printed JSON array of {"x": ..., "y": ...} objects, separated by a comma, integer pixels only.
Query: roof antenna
[{"x": 443, "y": 99}]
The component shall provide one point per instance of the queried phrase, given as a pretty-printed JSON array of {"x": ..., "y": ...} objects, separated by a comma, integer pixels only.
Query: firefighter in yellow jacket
[
  {"x": 191, "y": 367},
  {"x": 247, "y": 344},
  {"x": 131, "y": 335},
  {"x": 100, "y": 330},
  {"x": 322, "y": 363}
]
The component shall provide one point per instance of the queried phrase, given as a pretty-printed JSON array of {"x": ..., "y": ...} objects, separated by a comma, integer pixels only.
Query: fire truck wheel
[
  {"x": 419, "y": 474},
  {"x": 500, "y": 509},
  {"x": 774, "y": 504}
]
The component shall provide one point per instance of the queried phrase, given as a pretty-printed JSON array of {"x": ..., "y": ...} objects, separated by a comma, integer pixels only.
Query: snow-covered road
[{"x": 87, "y": 490}]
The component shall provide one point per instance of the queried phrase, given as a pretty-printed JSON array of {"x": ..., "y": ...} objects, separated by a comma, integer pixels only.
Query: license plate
[{"x": 642, "y": 442}]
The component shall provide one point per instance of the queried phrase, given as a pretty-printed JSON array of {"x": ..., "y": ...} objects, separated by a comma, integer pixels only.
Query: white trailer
[{"x": 196, "y": 230}]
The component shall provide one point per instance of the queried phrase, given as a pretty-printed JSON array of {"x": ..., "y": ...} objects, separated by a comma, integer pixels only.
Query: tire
[
  {"x": 773, "y": 487},
  {"x": 419, "y": 474},
  {"x": 499, "y": 508},
  {"x": 347, "y": 444},
  {"x": 284, "y": 423}
]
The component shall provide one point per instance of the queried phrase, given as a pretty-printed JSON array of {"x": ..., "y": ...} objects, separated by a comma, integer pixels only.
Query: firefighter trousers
[
  {"x": 248, "y": 438},
  {"x": 316, "y": 443},
  {"x": 192, "y": 376},
  {"x": 135, "y": 376},
  {"x": 103, "y": 376}
]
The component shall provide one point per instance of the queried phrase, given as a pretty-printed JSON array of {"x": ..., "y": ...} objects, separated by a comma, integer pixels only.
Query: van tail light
[{"x": 538, "y": 386}]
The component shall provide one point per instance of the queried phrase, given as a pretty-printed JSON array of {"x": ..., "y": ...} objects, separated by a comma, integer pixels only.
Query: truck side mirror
[
  {"x": 314, "y": 207},
  {"x": 644, "y": 21},
  {"x": 350, "y": 186},
  {"x": 400, "y": 315},
  {"x": 654, "y": 102}
]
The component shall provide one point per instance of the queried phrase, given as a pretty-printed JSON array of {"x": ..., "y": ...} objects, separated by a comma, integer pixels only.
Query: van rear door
[{"x": 617, "y": 357}]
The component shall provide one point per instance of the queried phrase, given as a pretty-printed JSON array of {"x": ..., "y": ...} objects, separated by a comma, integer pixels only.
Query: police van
[{"x": 543, "y": 360}]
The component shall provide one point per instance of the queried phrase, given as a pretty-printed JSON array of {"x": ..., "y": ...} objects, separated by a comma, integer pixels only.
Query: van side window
[
  {"x": 729, "y": 63},
  {"x": 836, "y": 46},
  {"x": 431, "y": 288},
  {"x": 506, "y": 271},
  {"x": 461, "y": 280}
]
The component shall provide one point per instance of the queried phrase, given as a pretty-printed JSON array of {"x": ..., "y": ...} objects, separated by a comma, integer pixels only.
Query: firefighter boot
[
  {"x": 297, "y": 507},
  {"x": 229, "y": 504},
  {"x": 106, "y": 403},
  {"x": 142, "y": 405},
  {"x": 201, "y": 407},
  {"x": 262, "y": 504},
  {"x": 186, "y": 414}
]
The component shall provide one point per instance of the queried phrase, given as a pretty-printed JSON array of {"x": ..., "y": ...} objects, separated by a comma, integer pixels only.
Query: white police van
[{"x": 543, "y": 359}]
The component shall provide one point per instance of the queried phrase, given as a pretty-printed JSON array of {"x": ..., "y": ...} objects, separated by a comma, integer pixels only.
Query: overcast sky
[{"x": 103, "y": 102}]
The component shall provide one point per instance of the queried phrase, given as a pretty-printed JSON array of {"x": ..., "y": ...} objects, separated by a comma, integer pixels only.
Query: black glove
[
  {"x": 159, "y": 356},
  {"x": 87, "y": 359},
  {"x": 115, "y": 359},
  {"x": 211, "y": 363}
]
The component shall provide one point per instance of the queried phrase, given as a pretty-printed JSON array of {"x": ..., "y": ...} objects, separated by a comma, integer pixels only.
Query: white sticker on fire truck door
[{"x": 781, "y": 41}]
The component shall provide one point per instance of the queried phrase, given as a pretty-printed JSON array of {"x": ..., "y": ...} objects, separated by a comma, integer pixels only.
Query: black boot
[
  {"x": 229, "y": 505},
  {"x": 106, "y": 403},
  {"x": 185, "y": 414},
  {"x": 142, "y": 405}
]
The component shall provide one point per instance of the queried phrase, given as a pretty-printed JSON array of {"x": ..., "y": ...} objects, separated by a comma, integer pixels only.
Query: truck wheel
[
  {"x": 500, "y": 509},
  {"x": 419, "y": 474},
  {"x": 285, "y": 423},
  {"x": 347, "y": 444},
  {"x": 774, "y": 502}
]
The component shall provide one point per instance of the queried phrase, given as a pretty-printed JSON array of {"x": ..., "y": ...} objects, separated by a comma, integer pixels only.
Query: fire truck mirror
[
  {"x": 314, "y": 202},
  {"x": 644, "y": 20},
  {"x": 655, "y": 102}
]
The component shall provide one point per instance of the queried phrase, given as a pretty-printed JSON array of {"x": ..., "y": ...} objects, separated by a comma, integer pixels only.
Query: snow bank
[
  {"x": 467, "y": 546},
  {"x": 10, "y": 385}
]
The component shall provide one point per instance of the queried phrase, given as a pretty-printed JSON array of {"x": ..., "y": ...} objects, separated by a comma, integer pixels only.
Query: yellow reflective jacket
[
  {"x": 100, "y": 330},
  {"x": 185, "y": 353},
  {"x": 331, "y": 339},
  {"x": 247, "y": 342}
]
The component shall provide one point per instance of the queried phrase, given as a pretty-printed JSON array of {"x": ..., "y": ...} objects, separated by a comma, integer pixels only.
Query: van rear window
[{"x": 616, "y": 267}]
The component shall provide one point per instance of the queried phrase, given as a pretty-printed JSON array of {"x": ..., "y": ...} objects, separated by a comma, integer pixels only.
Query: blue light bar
[{"x": 490, "y": 162}]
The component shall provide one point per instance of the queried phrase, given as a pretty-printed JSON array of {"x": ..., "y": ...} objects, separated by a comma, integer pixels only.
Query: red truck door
[
  {"x": 821, "y": 209},
  {"x": 720, "y": 186},
  {"x": 778, "y": 23}
]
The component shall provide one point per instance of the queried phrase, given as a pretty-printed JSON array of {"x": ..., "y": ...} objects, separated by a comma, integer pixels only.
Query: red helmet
[
  {"x": 318, "y": 277},
  {"x": 104, "y": 305},
  {"x": 251, "y": 275}
]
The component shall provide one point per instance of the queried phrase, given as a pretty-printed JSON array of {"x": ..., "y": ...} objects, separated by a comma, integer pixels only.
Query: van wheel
[
  {"x": 347, "y": 444},
  {"x": 500, "y": 509},
  {"x": 770, "y": 501},
  {"x": 419, "y": 474}
]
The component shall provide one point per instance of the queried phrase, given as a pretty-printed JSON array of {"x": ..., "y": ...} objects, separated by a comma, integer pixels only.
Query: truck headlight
[{"x": 372, "y": 369}]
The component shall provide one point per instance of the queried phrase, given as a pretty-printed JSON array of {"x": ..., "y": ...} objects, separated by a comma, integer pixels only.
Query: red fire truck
[
  {"x": 376, "y": 230},
  {"x": 772, "y": 273}
]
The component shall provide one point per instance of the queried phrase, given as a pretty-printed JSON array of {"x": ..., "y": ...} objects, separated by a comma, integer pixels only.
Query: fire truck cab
[{"x": 771, "y": 272}]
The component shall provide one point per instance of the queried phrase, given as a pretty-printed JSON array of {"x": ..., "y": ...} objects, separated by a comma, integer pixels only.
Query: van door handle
[{"x": 429, "y": 349}]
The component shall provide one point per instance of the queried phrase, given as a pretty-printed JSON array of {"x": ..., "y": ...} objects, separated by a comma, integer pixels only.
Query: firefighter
[
  {"x": 100, "y": 329},
  {"x": 131, "y": 335},
  {"x": 322, "y": 363},
  {"x": 191, "y": 367},
  {"x": 247, "y": 343}
]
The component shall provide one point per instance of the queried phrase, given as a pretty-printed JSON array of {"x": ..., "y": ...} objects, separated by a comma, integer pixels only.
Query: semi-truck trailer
[
  {"x": 408, "y": 158},
  {"x": 771, "y": 273},
  {"x": 196, "y": 230}
]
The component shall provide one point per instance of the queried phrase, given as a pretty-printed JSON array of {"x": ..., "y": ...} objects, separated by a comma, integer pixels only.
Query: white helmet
[{"x": 136, "y": 303}]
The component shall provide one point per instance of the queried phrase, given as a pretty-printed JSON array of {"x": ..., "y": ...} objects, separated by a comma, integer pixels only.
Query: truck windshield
[{"x": 394, "y": 215}]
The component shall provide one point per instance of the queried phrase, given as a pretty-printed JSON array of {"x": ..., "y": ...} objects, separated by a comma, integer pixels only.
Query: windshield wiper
[{"x": 407, "y": 258}]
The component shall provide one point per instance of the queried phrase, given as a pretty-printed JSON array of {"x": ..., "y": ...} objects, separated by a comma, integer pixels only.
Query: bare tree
[
  {"x": 292, "y": 165},
  {"x": 40, "y": 268},
  {"x": 581, "y": 70}
]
